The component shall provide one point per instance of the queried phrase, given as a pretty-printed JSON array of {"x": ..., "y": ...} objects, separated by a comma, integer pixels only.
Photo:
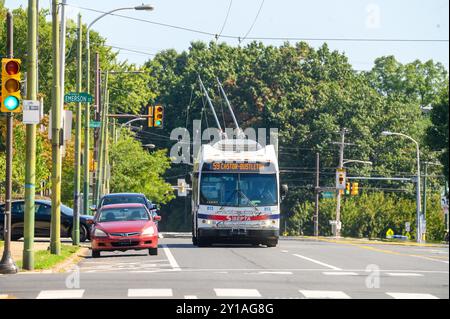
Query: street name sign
[
  {"x": 81, "y": 97},
  {"x": 94, "y": 124}
]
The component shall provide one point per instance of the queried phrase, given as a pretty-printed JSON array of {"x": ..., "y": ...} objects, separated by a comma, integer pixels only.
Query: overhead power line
[
  {"x": 254, "y": 22},
  {"x": 210, "y": 34},
  {"x": 225, "y": 22}
]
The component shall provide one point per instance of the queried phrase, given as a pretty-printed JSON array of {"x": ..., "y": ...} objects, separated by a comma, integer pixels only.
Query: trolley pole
[
  {"x": 7, "y": 264},
  {"x": 30, "y": 163},
  {"x": 55, "y": 240}
]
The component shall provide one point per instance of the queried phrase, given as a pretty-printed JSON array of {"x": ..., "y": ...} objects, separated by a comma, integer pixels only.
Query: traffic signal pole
[
  {"x": 30, "y": 162},
  {"x": 7, "y": 264},
  {"x": 316, "y": 210},
  {"x": 55, "y": 240},
  {"x": 338, "y": 193},
  {"x": 77, "y": 182}
]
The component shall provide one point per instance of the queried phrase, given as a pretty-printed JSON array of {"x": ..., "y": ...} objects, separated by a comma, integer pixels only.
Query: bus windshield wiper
[{"x": 248, "y": 199}]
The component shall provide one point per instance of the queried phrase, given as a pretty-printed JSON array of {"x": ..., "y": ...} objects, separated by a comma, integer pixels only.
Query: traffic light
[
  {"x": 150, "y": 115},
  {"x": 158, "y": 117},
  {"x": 11, "y": 97},
  {"x": 355, "y": 189},
  {"x": 347, "y": 189}
]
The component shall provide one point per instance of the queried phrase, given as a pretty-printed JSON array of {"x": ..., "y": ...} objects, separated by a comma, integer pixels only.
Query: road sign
[
  {"x": 94, "y": 124},
  {"x": 328, "y": 194},
  {"x": 74, "y": 97},
  {"x": 389, "y": 233},
  {"x": 182, "y": 188},
  {"x": 408, "y": 227},
  {"x": 31, "y": 112}
]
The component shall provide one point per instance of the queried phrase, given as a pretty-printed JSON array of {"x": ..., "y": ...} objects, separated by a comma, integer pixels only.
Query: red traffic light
[{"x": 12, "y": 67}]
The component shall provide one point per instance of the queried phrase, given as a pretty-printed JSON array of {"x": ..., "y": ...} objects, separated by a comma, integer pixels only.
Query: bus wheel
[{"x": 272, "y": 243}]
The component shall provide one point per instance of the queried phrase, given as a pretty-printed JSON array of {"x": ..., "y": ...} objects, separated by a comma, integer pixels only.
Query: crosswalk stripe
[
  {"x": 403, "y": 274},
  {"x": 324, "y": 294},
  {"x": 150, "y": 293},
  {"x": 61, "y": 294},
  {"x": 220, "y": 292},
  {"x": 402, "y": 295}
]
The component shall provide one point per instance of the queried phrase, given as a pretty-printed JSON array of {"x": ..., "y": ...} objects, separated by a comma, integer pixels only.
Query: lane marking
[
  {"x": 401, "y": 295},
  {"x": 345, "y": 273},
  {"x": 220, "y": 292},
  {"x": 190, "y": 297},
  {"x": 133, "y": 293},
  {"x": 3, "y": 296},
  {"x": 324, "y": 294},
  {"x": 284, "y": 251},
  {"x": 275, "y": 273},
  {"x": 61, "y": 294},
  {"x": 317, "y": 262},
  {"x": 171, "y": 259},
  {"x": 403, "y": 274}
]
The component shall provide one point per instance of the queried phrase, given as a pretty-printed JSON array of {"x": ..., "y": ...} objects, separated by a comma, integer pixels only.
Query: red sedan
[{"x": 124, "y": 227}]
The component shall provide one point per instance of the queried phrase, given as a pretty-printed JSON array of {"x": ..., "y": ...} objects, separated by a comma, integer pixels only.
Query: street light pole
[
  {"x": 144, "y": 7},
  {"x": 418, "y": 200}
]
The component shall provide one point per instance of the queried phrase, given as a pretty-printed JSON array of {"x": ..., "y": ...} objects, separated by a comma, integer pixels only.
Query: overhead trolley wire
[{"x": 210, "y": 34}]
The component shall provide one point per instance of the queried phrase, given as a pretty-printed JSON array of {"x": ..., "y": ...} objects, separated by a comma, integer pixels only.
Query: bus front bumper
[{"x": 239, "y": 234}]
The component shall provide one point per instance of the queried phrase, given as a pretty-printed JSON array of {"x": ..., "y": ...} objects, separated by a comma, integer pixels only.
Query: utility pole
[
  {"x": 424, "y": 205},
  {"x": 316, "y": 211},
  {"x": 105, "y": 148},
  {"x": 338, "y": 193},
  {"x": 7, "y": 264},
  {"x": 100, "y": 176},
  {"x": 97, "y": 131},
  {"x": 77, "y": 182},
  {"x": 86, "y": 132},
  {"x": 55, "y": 241},
  {"x": 30, "y": 162}
]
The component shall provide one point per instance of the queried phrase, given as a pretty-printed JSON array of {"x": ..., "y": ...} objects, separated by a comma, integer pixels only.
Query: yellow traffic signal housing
[
  {"x": 355, "y": 189},
  {"x": 347, "y": 189},
  {"x": 158, "y": 116},
  {"x": 11, "y": 97},
  {"x": 150, "y": 116}
]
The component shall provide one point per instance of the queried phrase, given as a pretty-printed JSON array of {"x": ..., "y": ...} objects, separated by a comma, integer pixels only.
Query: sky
[{"x": 312, "y": 19}]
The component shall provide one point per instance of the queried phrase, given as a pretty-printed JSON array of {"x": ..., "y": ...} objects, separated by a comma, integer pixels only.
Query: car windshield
[
  {"x": 123, "y": 214},
  {"x": 238, "y": 190},
  {"x": 111, "y": 200}
]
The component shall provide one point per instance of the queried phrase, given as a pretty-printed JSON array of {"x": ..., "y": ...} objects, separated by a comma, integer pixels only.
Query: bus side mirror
[{"x": 283, "y": 191}]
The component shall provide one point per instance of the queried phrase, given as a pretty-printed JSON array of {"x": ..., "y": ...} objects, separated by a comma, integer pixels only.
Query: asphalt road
[{"x": 294, "y": 269}]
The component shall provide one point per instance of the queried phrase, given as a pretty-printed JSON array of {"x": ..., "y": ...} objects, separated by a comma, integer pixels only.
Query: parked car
[
  {"x": 42, "y": 221},
  {"x": 126, "y": 198},
  {"x": 124, "y": 227}
]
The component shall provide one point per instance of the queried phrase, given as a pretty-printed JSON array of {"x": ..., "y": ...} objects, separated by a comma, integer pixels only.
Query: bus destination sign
[{"x": 237, "y": 167}]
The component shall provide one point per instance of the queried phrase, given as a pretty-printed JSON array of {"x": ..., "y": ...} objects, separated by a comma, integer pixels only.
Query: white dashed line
[
  {"x": 134, "y": 293},
  {"x": 337, "y": 273},
  {"x": 250, "y": 293},
  {"x": 324, "y": 294},
  {"x": 317, "y": 262},
  {"x": 61, "y": 294},
  {"x": 275, "y": 273},
  {"x": 403, "y": 274},
  {"x": 401, "y": 295},
  {"x": 190, "y": 297}
]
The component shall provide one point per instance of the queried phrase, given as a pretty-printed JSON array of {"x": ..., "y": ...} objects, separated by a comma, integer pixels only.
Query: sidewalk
[{"x": 17, "y": 249}]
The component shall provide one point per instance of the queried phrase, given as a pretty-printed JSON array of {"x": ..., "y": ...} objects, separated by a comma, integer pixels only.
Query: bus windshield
[{"x": 238, "y": 190}]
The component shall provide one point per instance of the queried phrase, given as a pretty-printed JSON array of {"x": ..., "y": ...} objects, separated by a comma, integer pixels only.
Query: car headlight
[
  {"x": 100, "y": 233},
  {"x": 148, "y": 231}
]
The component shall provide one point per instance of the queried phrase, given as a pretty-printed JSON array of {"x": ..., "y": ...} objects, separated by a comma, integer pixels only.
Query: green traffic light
[
  {"x": 11, "y": 103},
  {"x": 158, "y": 123}
]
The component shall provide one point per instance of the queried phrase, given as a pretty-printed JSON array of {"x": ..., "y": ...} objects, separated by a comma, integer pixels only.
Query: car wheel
[
  {"x": 95, "y": 253},
  {"x": 16, "y": 237},
  {"x": 153, "y": 251},
  {"x": 194, "y": 241},
  {"x": 83, "y": 233}
]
